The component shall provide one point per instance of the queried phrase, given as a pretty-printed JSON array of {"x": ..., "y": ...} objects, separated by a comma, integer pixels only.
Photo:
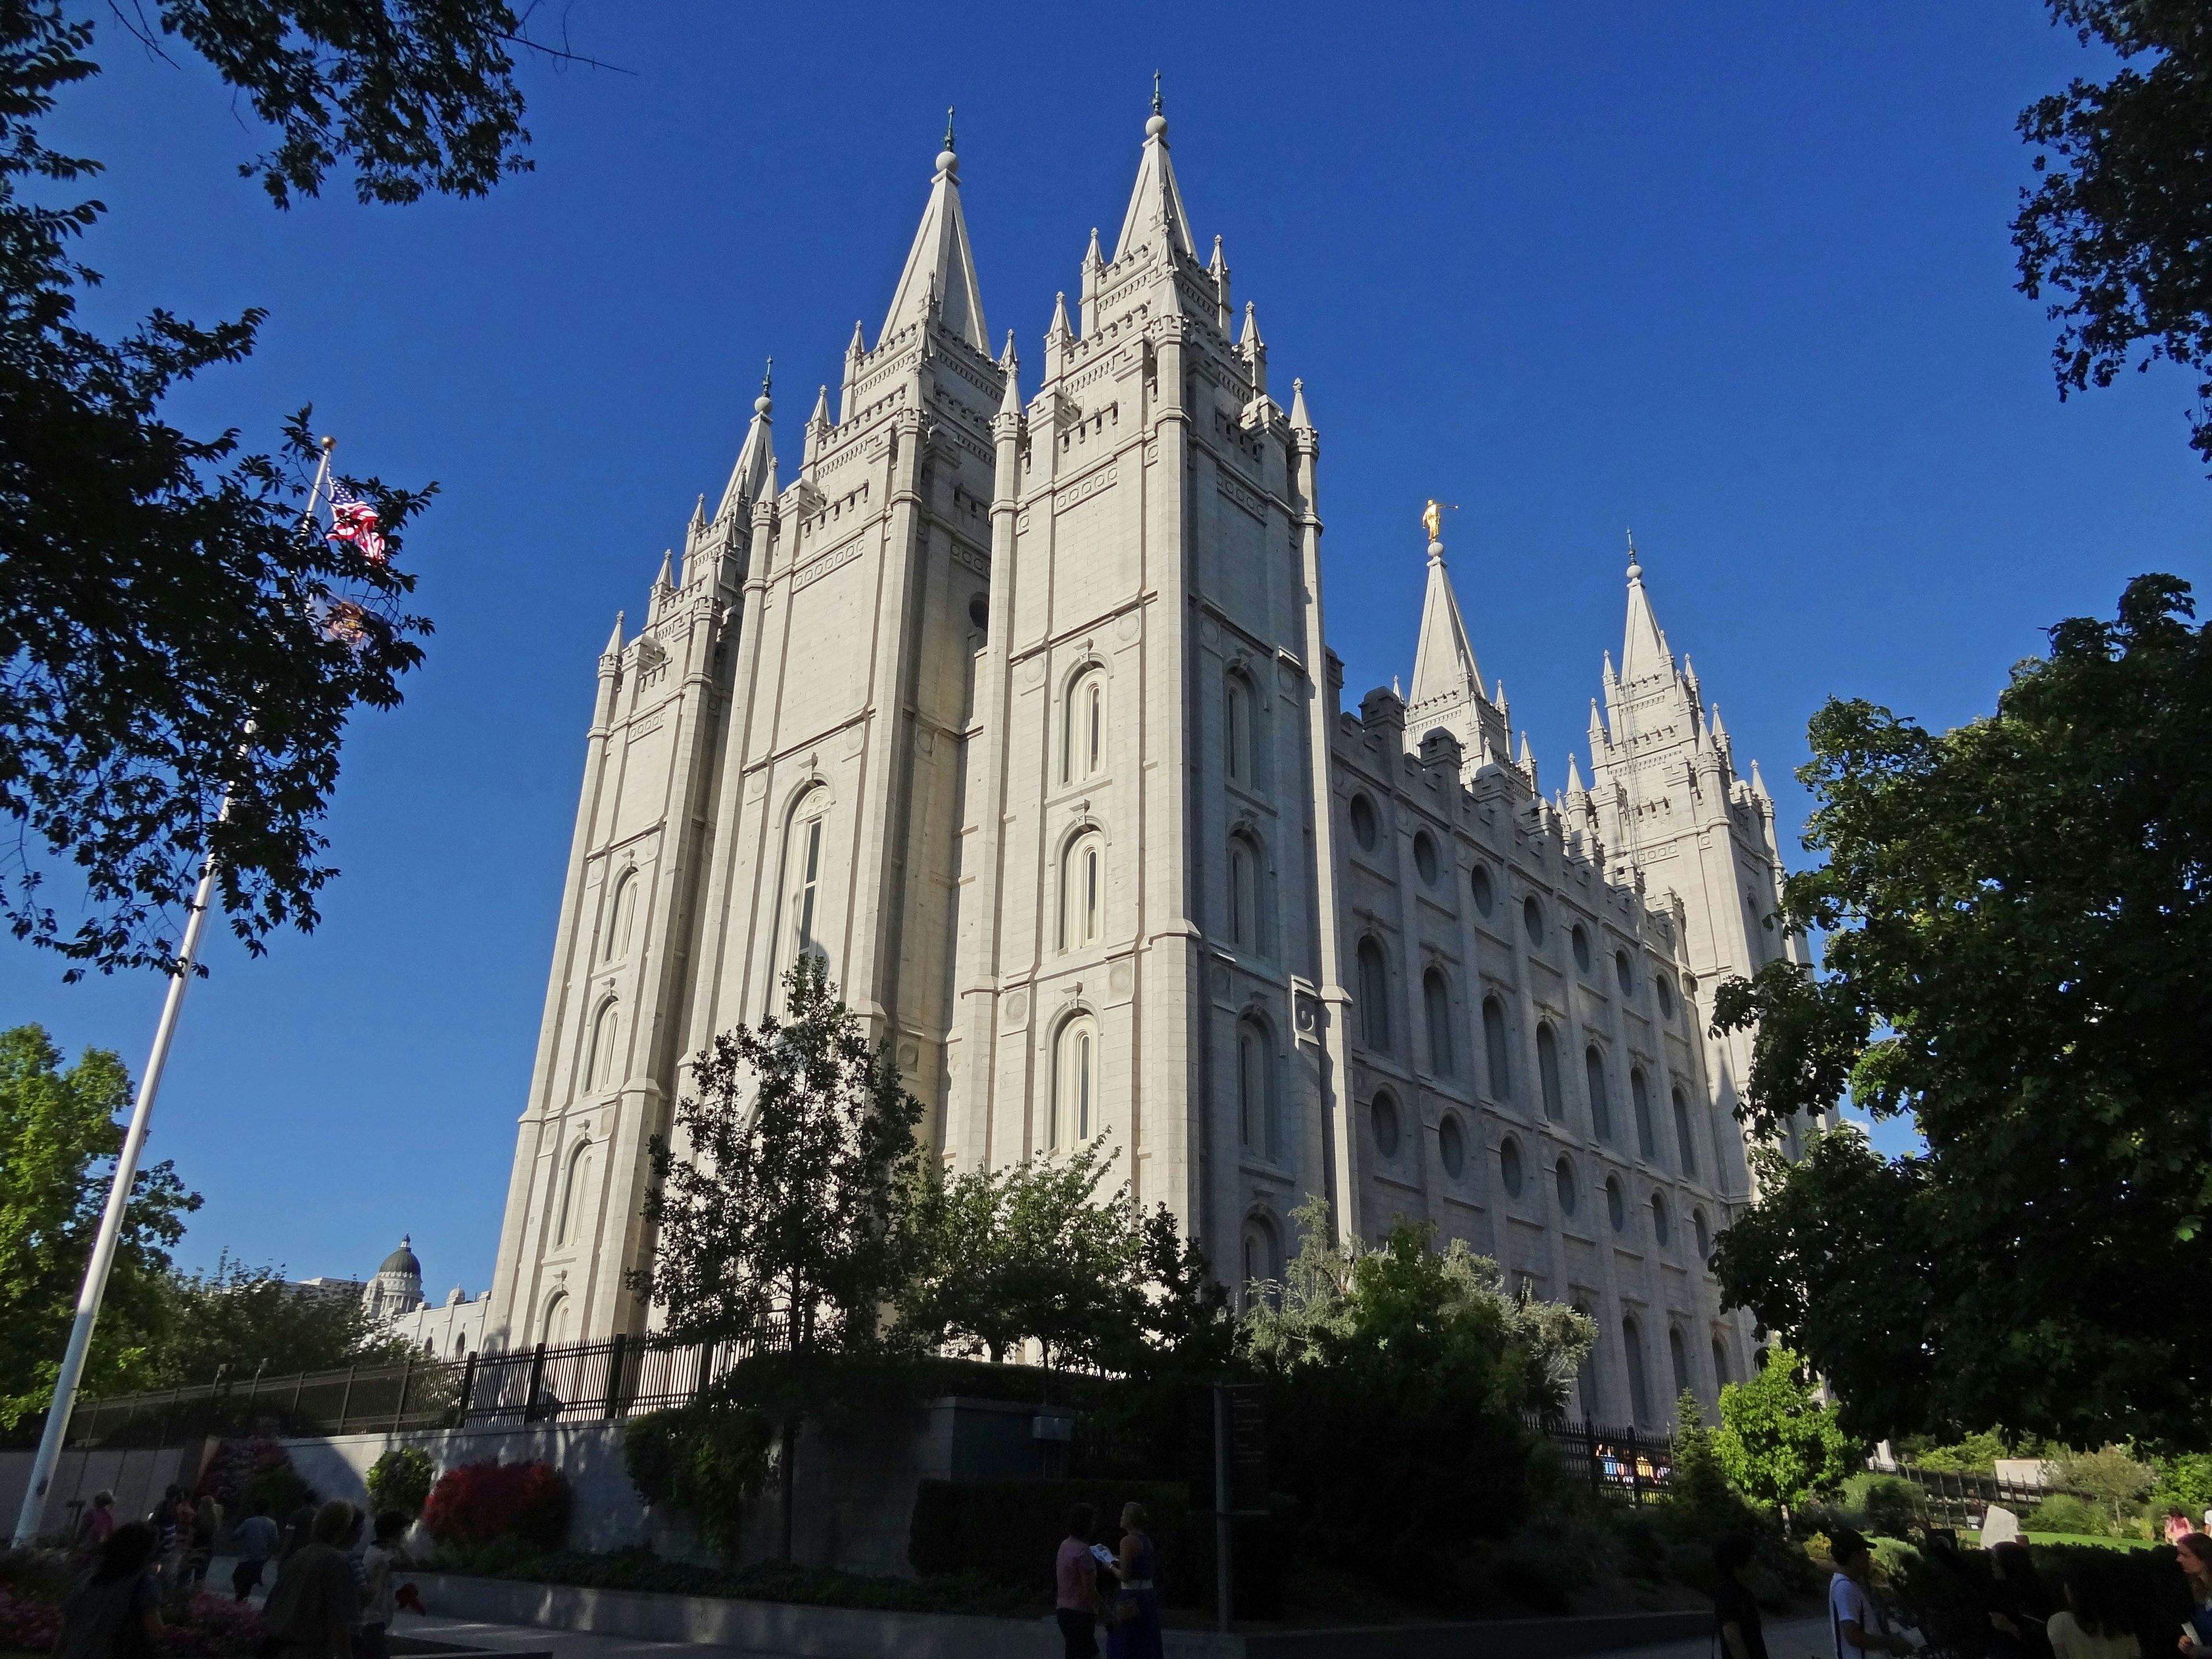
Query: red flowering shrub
[
  {"x": 28, "y": 1626},
  {"x": 479, "y": 1502},
  {"x": 210, "y": 1625}
]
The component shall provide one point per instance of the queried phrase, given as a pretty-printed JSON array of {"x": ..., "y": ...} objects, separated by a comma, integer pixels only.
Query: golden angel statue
[{"x": 1432, "y": 516}]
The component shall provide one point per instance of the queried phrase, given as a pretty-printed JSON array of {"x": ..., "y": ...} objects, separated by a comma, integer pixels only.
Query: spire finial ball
[{"x": 1156, "y": 127}]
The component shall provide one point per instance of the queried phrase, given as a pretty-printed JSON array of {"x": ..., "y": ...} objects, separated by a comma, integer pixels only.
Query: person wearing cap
[{"x": 1860, "y": 1626}]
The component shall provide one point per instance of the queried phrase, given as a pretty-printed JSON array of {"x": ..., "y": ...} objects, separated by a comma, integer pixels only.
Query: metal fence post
[
  {"x": 345, "y": 1399},
  {"x": 406, "y": 1376},
  {"x": 468, "y": 1391},
  {"x": 614, "y": 1376},
  {"x": 537, "y": 1381}
]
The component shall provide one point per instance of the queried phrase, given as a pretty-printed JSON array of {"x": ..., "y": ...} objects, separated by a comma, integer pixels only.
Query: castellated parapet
[{"x": 1018, "y": 712}]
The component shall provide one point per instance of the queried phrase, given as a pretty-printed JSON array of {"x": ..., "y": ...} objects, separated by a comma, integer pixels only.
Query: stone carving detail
[{"x": 1084, "y": 489}]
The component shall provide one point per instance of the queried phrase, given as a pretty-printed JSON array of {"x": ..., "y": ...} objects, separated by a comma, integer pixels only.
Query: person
[
  {"x": 1736, "y": 1610},
  {"x": 380, "y": 1564},
  {"x": 311, "y": 1611},
  {"x": 2194, "y": 1555},
  {"x": 2095, "y": 1623},
  {"x": 94, "y": 1527},
  {"x": 207, "y": 1523},
  {"x": 1135, "y": 1631},
  {"x": 1075, "y": 1582},
  {"x": 1856, "y": 1619},
  {"x": 256, "y": 1540},
  {"x": 2178, "y": 1523},
  {"x": 299, "y": 1530},
  {"x": 116, "y": 1613},
  {"x": 2018, "y": 1604},
  {"x": 165, "y": 1520}
]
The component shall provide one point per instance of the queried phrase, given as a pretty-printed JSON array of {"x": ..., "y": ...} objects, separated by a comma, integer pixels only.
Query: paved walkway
[{"x": 1786, "y": 1638}]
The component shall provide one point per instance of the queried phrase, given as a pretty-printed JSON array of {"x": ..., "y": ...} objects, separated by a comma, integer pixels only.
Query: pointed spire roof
[
  {"x": 1093, "y": 256},
  {"x": 1643, "y": 651},
  {"x": 1443, "y": 662},
  {"x": 1156, "y": 207},
  {"x": 1574, "y": 776},
  {"x": 858, "y": 346},
  {"x": 1060, "y": 328},
  {"x": 667, "y": 576},
  {"x": 820, "y": 416},
  {"x": 940, "y": 266},
  {"x": 1250, "y": 336},
  {"x": 1300, "y": 422},
  {"x": 614, "y": 639},
  {"x": 1011, "y": 402},
  {"x": 754, "y": 474}
]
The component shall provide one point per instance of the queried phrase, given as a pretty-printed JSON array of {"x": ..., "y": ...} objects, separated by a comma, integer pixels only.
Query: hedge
[{"x": 1008, "y": 1531}]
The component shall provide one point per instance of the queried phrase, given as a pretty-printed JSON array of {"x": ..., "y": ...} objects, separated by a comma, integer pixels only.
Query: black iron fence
[
  {"x": 568, "y": 1383},
  {"x": 1636, "y": 1466},
  {"x": 1955, "y": 1497}
]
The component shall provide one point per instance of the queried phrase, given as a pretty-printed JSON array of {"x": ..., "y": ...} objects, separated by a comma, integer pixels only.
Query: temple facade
[{"x": 1014, "y": 704}]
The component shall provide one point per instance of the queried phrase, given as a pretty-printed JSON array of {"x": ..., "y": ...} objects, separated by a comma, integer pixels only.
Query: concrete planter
[{"x": 854, "y": 1633}]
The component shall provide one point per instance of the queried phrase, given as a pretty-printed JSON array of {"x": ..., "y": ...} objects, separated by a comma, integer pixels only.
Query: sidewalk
[{"x": 1786, "y": 1638}]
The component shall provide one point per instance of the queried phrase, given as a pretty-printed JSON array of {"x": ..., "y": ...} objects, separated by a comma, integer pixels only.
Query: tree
[
  {"x": 2014, "y": 913},
  {"x": 234, "y": 1322},
  {"x": 774, "y": 1205},
  {"x": 1697, "y": 1487},
  {"x": 59, "y": 1140},
  {"x": 1778, "y": 1443},
  {"x": 2113, "y": 1478},
  {"x": 169, "y": 636},
  {"x": 2122, "y": 225}
]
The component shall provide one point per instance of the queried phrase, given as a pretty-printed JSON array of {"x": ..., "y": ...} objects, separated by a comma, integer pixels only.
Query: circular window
[
  {"x": 1484, "y": 895},
  {"x": 1704, "y": 1233},
  {"x": 1383, "y": 1114},
  {"x": 1665, "y": 988},
  {"x": 1662, "y": 1228},
  {"x": 1564, "y": 1173},
  {"x": 1531, "y": 918},
  {"x": 1623, "y": 972},
  {"x": 979, "y": 610},
  {"x": 1580, "y": 939},
  {"x": 1451, "y": 1146},
  {"x": 1424, "y": 858},
  {"x": 1509, "y": 1166},
  {"x": 1363, "y": 823},
  {"x": 1616, "y": 1206}
]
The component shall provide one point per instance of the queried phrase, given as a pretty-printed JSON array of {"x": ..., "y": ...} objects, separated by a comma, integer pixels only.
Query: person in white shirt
[{"x": 1860, "y": 1625}]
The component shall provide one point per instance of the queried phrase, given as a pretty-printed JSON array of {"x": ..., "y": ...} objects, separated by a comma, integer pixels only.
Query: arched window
[
  {"x": 1586, "y": 1376},
  {"x": 1082, "y": 890},
  {"x": 599, "y": 1061},
  {"x": 575, "y": 1195},
  {"x": 1485, "y": 890},
  {"x": 1639, "y": 1096},
  {"x": 1689, "y": 1147},
  {"x": 1496, "y": 1052},
  {"x": 1624, "y": 973},
  {"x": 1639, "y": 1389},
  {"x": 622, "y": 915},
  {"x": 553, "y": 1325},
  {"x": 1593, "y": 1079},
  {"x": 1678, "y": 1356},
  {"x": 1237, "y": 746},
  {"x": 1074, "y": 1083},
  {"x": 1083, "y": 728},
  {"x": 1547, "y": 1071},
  {"x": 460, "y": 1347},
  {"x": 1259, "y": 1256},
  {"x": 1388, "y": 1131},
  {"x": 1663, "y": 1225},
  {"x": 800, "y": 932},
  {"x": 1720, "y": 1364},
  {"x": 1702, "y": 1231},
  {"x": 1435, "y": 1010},
  {"x": 1616, "y": 1206},
  {"x": 1664, "y": 988},
  {"x": 1255, "y": 1093},
  {"x": 1363, "y": 826},
  {"x": 1532, "y": 920},
  {"x": 1243, "y": 893},
  {"x": 1424, "y": 859},
  {"x": 1580, "y": 939},
  {"x": 1374, "y": 996},
  {"x": 1562, "y": 1175},
  {"x": 1509, "y": 1165},
  {"x": 1451, "y": 1145}
]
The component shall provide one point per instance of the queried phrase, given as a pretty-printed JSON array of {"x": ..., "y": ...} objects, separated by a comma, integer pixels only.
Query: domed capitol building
[{"x": 1016, "y": 707}]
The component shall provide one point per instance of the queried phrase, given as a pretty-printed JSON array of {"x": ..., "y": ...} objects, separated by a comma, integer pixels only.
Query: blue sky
[{"x": 1735, "y": 276}]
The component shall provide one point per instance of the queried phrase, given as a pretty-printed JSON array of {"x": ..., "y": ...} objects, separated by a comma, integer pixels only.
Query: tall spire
[
  {"x": 1156, "y": 215},
  {"x": 940, "y": 266},
  {"x": 1301, "y": 422},
  {"x": 1443, "y": 662},
  {"x": 754, "y": 475},
  {"x": 1643, "y": 652},
  {"x": 1010, "y": 403}
]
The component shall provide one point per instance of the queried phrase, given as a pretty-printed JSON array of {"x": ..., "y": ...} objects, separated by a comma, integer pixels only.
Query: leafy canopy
[
  {"x": 1778, "y": 1443},
  {"x": 2016, "y": 915},
  {"x": 59, "y": 1140},
  {"x": 2120, "y": 224},
  {"x": 169, "y": 633}
]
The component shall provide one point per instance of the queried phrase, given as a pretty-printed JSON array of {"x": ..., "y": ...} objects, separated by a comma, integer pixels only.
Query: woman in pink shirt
[{"x": 1075, "y": 1578}]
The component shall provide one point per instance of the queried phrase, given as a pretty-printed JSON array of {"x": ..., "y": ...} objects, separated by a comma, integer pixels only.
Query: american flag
[{"x": 352, "y": 519}]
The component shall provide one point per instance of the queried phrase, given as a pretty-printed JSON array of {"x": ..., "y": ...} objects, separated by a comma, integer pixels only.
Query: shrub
[
  {"x": 705, "y": 1463},
  {"x": 1546, "y": 1559},
  {"x": 1007, "y": 1531},
  {"x": 251, "y": 1467},
  {"x": 477, "y": 1503},
  {"x": 26, "y": 1626},
  {"x": 2063, "y": 1512},
  {"x": 1891, "y": 1505},
  {"x": 400, "y": 1480},
  {"x": 209, "y": 1625}
]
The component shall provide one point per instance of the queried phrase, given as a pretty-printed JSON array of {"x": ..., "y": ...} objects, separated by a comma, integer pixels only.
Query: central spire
[
  {"x": 1156, "y": 215},
  {"x": 1644, "y": 650},
  {"x": 1443, "y": 662},
  {"x": 940, "y": 268}
]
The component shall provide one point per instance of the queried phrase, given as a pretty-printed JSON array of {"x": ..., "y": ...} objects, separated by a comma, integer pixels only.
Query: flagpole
[{"x": 126, "y": 1168}]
